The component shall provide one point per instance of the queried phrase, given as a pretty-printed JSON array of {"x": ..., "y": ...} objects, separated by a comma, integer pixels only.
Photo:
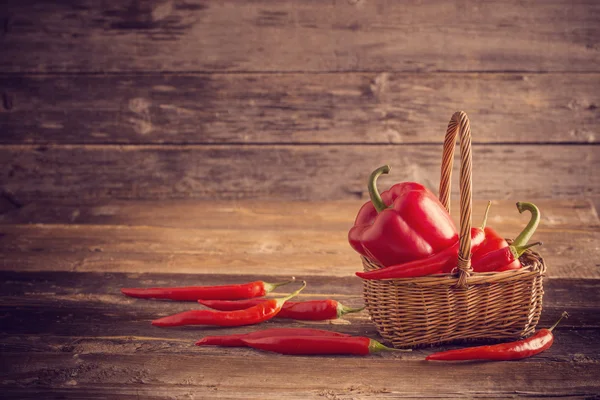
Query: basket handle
[{"x": 459, "y": 123}]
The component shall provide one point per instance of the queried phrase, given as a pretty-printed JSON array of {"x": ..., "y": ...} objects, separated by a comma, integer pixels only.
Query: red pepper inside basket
[
  {"x": 494, "y": 242},
  {"x": 403, "y": 224},
  {"x": 444, "y": 261}
]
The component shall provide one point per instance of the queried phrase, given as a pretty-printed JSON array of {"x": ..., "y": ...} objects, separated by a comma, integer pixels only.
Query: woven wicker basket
[{"x": 465, "y": 305}]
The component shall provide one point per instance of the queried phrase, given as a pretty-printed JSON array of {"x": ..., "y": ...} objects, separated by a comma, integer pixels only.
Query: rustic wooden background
[
  {"x": 294, "y": 100},
  {"x": 161, "y": 142}
]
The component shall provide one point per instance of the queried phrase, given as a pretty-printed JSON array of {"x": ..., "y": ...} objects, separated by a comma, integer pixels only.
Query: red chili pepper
[
  {"x": 531, "y": 346},
  {"x": 315, "y": 310},
  {"x": 436, "y": 263},
  {"x": 238, "y": 340},
  {"x": 494, "y": 243},
  {"x": 253, "y": 315},
  {"x": 310, "y": 345},
  {"x": 444, "y": 261},
  {"x": 194, "y": 293},
  {"x": 501, "y": 259},
  {"x": 403, "y": 224}
]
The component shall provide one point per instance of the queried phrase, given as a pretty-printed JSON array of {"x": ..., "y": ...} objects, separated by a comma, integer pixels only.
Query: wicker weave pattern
[{"x": 462, "y": 306}]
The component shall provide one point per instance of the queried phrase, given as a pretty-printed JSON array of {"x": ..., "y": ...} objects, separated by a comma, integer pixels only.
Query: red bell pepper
[
  {"x": 403, "y": 224},
  {"x": 444, "y": 261}
]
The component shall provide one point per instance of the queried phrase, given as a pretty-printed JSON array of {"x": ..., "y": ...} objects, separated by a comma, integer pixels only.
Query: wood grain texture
[
  {"x": 298, "y": 108},
  {"x": 228, "y": 376},
  {"x": 284, "y": 172},
  {"x": 283, "y": 254},
  {"x": 289, "y": 35},
  {"x": 578, "y": 214}
]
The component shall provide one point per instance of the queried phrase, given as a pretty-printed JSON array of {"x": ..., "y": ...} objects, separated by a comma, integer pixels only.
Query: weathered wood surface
[
  {"x": 67, "y": 332},
  {"x": 214, "y": 35},
  {"x": 280, "y": 252},
  {"x": 283, "y": 172},
  {"x": 74, "y": 335},
  {"x": 298, "y": 108},
  {"x": 281, "y": 239},
  {"x": 275, "y": 215}
]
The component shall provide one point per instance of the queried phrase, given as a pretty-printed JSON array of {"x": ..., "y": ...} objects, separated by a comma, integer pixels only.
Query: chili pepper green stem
[
  {"x": 526, "y": 234},
  {"x": 373, "y": 193},
  {"x": 563, "y": 315},
  {"x": 376, "y": 347},
  {"x": 485, "y": 216},
  {"x": 282, "y": 300},
  {"x": 269, "y": 287},
  {"x": 519, "y": 250},
  {"x": 343, "y": 310}
]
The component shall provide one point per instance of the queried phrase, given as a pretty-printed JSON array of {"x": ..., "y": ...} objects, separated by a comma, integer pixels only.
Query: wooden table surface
[{"x": 67, "y": 332}]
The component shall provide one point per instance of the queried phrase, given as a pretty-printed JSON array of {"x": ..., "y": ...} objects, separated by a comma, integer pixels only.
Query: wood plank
[
  {"x": 234, "y": 376},
  {"x": 90, "y": 304},
  {"x": 298, "y": 108},
  {"x": 74, "y": 331},
  {"x": 215, "y": 35},
  {"x": 286, "y": 215},
  {"x": 568, "y": 252},
  {"x": 279, "y": 172}
]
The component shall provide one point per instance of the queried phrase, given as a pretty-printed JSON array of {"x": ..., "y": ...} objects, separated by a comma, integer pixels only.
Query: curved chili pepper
[
  {"x": 426, "y": 266},
  {"x": 193, "y": 293},
  {"x": 520, "y": 349},
  {"x": 314, "y": 310},
  {"x": 253, "y": 315},
  {"x": 494, "y": 243},
  {"x": 311, "y": 345},
  {"x": 238, "y": 340},
  {"x": 501, "y": 259},
  {"x": 403, "y": 224},
  {"x": 444, "y": 261}
]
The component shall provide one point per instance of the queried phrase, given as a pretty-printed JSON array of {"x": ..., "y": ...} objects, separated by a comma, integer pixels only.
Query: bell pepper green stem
[
  {"x": 526, "y": 234},
  {"x": 373, "y": 193},
  {"x": 485, "y": 216},
  {"x": 519, "y": 250}
]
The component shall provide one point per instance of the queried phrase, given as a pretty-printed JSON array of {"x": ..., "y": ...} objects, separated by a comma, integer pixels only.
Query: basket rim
[{"x": 534, "y": 265}]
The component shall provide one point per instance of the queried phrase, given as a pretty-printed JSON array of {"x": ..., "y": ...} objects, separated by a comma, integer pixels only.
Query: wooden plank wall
[{"x": 294, "y": 99}]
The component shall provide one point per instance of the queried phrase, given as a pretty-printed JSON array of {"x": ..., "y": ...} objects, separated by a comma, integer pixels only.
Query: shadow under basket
[
  {"x": 464, "y": 305},
  {"x": 413, "y": 312}
]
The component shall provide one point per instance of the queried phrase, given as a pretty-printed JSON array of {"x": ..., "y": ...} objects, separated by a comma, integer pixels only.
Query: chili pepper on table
[
  {"x": 495, "y": 249},
  {"x": 313, "y": 345},
  {"x": 540, "y": 341},
  {"x": 314, "y": 310},
  {"x": 238, "y": 340},
  {"x": 403, "y": 224},
  {"x": 194, "y": 293},
  {"x": 444, "y": 261},
  {"x": 253, "y": 315}
]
